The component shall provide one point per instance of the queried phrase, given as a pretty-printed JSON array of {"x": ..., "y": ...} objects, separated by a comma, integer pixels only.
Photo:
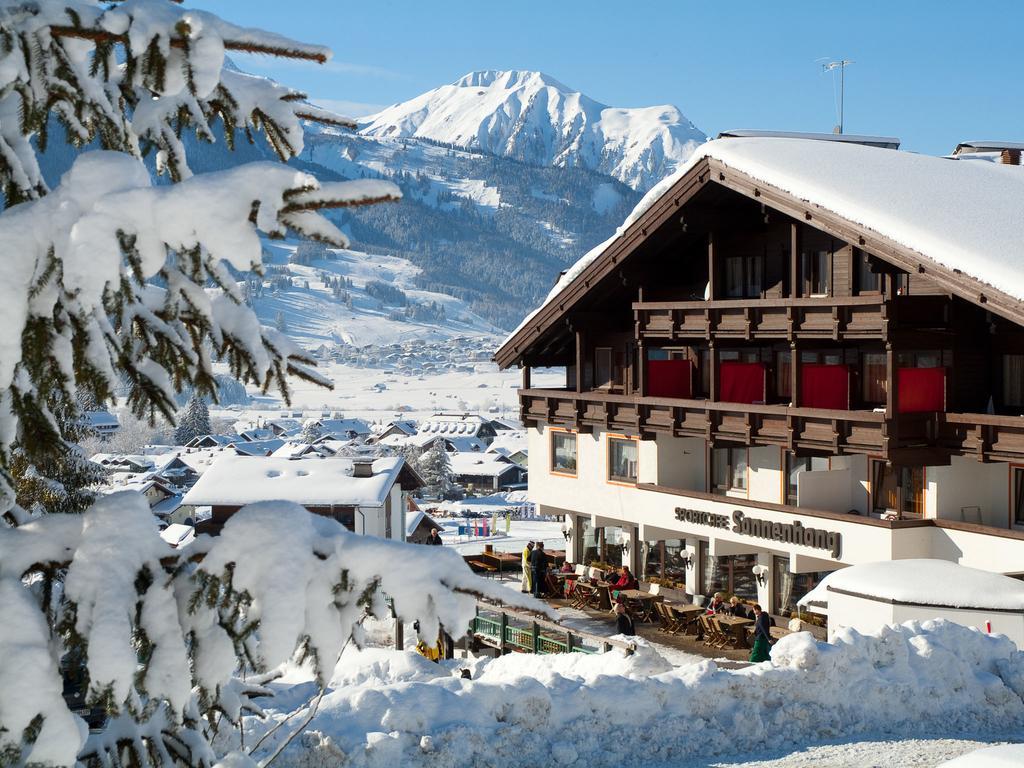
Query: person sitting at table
[
  {"x": 761, "y": 649},
  {"x": 626, "y": 580},
  {"x": 717, "y": 604},
  {"x": 737, "y": 609},
  {"x": 623, "y": 621},
  {"x": 567, "y": 567}
]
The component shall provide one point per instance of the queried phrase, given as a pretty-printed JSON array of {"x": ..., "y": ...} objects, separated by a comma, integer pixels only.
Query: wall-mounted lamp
[
  {"x": 687, "y": 561},
  {"x": 625, "y": 546},
  {"x": 567, "y": 530},
  {"x": 761, "y": 574}
]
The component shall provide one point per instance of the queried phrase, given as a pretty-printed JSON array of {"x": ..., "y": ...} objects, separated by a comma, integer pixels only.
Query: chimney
[
  {"x": 362, "y": 467},
  {"x": 1010, "y": 157}
]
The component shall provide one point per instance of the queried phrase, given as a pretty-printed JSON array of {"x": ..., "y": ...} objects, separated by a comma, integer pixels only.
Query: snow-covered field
[{"x": 914, "y": 695}]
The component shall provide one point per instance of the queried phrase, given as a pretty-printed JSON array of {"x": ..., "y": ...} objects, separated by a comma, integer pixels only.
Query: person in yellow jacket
[{"x": 527, "y": 581}]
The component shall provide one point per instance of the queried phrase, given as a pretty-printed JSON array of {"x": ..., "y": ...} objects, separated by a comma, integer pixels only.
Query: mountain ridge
[{"x": 532, "y": 117}]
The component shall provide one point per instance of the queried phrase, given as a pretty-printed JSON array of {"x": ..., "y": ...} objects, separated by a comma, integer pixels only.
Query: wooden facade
[{"x": 724, "y": 269}]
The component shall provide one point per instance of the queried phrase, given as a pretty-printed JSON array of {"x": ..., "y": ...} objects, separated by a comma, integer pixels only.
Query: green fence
[{"x": 510, "y": 631}]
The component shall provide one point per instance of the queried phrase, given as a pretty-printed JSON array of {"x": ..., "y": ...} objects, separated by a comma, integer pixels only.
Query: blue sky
[{"x": 932, "y": 73}]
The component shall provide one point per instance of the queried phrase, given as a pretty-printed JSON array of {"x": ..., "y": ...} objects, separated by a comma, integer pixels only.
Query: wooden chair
[
  {"x": 682, "y": 624},
  {"x": 664, "y": 617}
]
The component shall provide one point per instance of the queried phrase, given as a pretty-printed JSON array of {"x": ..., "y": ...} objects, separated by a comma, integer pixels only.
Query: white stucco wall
[
  {"x": 967, "y": 482},
  {"x": 590, "y": 494}
]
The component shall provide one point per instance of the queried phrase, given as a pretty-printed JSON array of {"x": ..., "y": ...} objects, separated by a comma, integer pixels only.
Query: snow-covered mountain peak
[
  {"x": 508, "y": 79},
  {"x": 533, "y": 118}
]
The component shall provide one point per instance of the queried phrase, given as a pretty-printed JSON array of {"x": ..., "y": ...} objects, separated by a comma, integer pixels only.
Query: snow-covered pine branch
[{"x": 159, "y": 632}]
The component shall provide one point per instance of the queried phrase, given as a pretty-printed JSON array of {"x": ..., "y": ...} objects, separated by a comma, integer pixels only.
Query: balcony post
[
  {"x": 796, "y": 396},
  {"x": 579, "y": 360},
  {"x": 795, "y": 244},
  {"x": 713, "y": 360},
  {"x": 641, "y": 373},
  {"x": 526, "y": 376},
  {"x": 892, "y": 399},
  {"x": 712, "y": 288}
]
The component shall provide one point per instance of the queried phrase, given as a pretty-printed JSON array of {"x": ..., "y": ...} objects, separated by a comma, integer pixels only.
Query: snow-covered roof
[
  {"x": 258, "y": 447},
  {"x": 883, "y": 142},
  {"x": 938, "y": 583},
  {"x": 508, "y": 443},
  {"x": 341, "y": 427},
  {"x": 969, "y": 147},
  {"x": 962, "y": 216},
  {"x": 1002, "y": 756},
  {"x": 237, "y": 480},
  {"x": 480, "y": 464},
  {"x": 212, "y": 440},
  {"x": 178, "y": 535},
  {"x": 98, "y": 419}
]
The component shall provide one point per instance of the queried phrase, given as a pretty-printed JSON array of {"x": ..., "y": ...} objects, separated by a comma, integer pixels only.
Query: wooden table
[
  {"x": 645, "y": 601},
  {"x": 735, "y": 626},
  {"x": 687, "y": 614}
]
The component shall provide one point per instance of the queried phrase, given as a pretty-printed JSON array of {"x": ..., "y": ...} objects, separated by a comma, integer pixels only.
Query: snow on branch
[{"x": 161, "y": 631}]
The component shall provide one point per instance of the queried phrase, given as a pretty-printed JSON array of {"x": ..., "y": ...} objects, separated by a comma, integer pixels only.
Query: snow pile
[
  {"x": 924, "y": 582},
  {"x": 1003, "y": 756},
  {"x": 389, "y": 708},
  {"x": 533, "y": 118}
]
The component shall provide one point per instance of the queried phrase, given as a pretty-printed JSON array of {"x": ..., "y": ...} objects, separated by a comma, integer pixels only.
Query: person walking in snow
[
  {"x": 527, "y": 551},
  {"x": 761, "y": 651},
  {"x": 538, "y": 568}
]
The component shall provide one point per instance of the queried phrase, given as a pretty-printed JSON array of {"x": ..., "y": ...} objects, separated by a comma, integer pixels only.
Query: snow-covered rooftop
[
  {"x": 237, "y": 480},
  {"x": 938, "y": 583},
  {"x": 479, "y": 464},
  {"x": 884, "y": 142},
  {"x": 960, "y": 215}
]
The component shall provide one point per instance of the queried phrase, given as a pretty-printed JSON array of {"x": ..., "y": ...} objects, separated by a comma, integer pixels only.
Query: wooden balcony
[
  {"x": 793, "y": 428},
  {"x": 829, "y": 317},
  {"x": 910, "y": 439}
]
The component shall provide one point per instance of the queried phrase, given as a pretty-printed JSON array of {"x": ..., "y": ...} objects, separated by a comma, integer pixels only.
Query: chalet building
[
  {"x": 367, "y": 496},
  {"x": 486, "y": 471},
  {"x": 795, "y": 355}
]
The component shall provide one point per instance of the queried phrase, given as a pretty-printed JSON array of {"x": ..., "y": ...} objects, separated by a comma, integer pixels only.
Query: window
[
  {"x": 790, "y": 587},
  {"x": 867, "y": 281},
  {"x": 1018, "y": 496},
  {"x": 784, "y": 374},
  {"x": 731, "y": 574},
  {"x": 563, "y": 453},
  {"x": 603, "y": 367},
  {"x": 873, "y": 378},
  {"x": 1013, "y": 380},
  {"x": 898, "y": 491},
  {"x": 728, "y": 470},
  {"x": 797, "y": 464},
  {"x": 744, "y": 277},
  {"x": 817, "y": 272},
  {"x": 623, "y": 459},
  {"x": 734, "y": 277}
]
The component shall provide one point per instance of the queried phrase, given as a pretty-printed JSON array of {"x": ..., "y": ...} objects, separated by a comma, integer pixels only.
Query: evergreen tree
[
  {"x": 280, "y": 323},
  {"x": 146, "y": 296},
  {"x": 194, "y": 420},
  {"x": 435, "y": 468},
  {"x": 311, "y": 432}
]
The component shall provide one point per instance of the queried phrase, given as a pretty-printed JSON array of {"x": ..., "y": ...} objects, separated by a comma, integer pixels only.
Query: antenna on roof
[{"x": 841, "y": 65}]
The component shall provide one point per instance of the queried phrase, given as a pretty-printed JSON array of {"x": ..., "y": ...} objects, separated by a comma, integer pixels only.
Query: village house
[
  {"x": 368, "y": 496},
  {"x": 485, "y": 471},
  {"x": 796, "y": 355}
]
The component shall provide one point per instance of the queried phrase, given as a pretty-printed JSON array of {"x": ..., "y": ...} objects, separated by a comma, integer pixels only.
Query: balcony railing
[
  {"x": 811, "y": 428},
  {"x": 828, "y": 317},
  {"x": 911, "y": 438}
]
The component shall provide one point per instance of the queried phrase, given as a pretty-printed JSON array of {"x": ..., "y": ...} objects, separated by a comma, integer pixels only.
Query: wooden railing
[
  {"x": 910, "y": 438},
  {"x": 827, "y": 317},
  {"x": 836, "y": 431},
  {"x": 508, "y": 630}
]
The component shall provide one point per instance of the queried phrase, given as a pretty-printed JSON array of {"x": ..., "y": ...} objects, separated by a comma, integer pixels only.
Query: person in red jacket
[{"x": 626, "y": 580}]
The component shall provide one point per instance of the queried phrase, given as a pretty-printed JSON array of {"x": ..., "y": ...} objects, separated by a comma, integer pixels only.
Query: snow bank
[
  {"x": 390, "y": 708},
  {"x": 1003, "y": 756},
  {"x": 924, "y": 582}
]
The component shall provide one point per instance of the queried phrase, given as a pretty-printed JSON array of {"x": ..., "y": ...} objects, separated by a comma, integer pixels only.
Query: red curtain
[
  {"x": 825, "y": 386},
  {"x": 669, "y": 378},
  {"x": 742, "y": 382},
  {"x": 921, "y": 389}
]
